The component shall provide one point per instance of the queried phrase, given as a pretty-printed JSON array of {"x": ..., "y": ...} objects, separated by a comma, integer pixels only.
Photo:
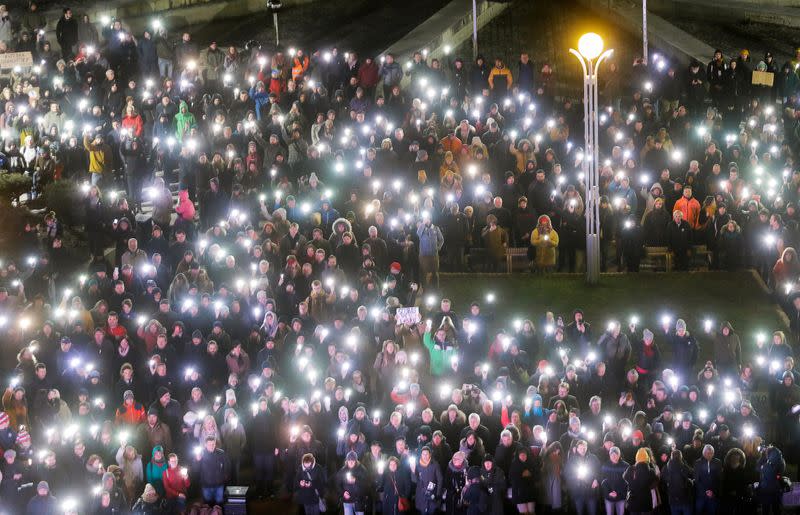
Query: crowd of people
[{"x": 280, "y": 325}]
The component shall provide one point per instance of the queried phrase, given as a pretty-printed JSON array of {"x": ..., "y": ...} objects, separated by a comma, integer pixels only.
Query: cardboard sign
[
  {"x": 12, "y": 59},
  {"x": 763, "y": 78},
  {"x": 408, "y": 316}
]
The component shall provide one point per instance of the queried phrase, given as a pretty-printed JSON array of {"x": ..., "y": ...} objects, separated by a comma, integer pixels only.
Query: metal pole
[
  {"x": 474, "y": 30},
  {"x": 275, "y": 21},
  {"x": 596, "y": 172},
  {"x": 644, "y": 30},
  {"x": 587, "y": 179},
  {"x": 592, "y": 247}
]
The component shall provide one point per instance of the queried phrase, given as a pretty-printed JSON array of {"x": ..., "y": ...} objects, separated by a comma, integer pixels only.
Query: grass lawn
[{"x": 740, "y": 298}]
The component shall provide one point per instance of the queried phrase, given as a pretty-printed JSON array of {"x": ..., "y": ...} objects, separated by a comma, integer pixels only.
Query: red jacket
[
  {"x": 404, "y": 398},
  {"x": 174, "y": 482},
  {"x": 131, "y": 415},
  {"x": 134, "y": 123},
  {"x": 368, "y": 75}
]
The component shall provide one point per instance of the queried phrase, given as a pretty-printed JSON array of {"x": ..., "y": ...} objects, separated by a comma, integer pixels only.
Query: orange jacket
[
  {"x": 690, "y": 209},
  {"x": 130, "y": 415},
  {"x": 299, "y": 67}
]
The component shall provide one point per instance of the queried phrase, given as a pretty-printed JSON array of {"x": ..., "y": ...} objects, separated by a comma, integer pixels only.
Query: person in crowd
[{"x": 153, "y": 360}]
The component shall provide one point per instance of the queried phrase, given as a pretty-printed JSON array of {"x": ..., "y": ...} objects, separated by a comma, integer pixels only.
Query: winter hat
[
  {"x": 351, "y": 456},
  {"x": 152, "y": 411},
  {"x": 127, "y": 395},
  {"x": 488, "y": 458},
  {"x": 425, "y": 430},
  {"x": 680, "y": 325},
  {"x": 394, "y": 267},
  {"x": 614, "y": 450},
  {"x": 658, "y": 427},
  {"x": 9, "y": 454},
  {"x": 161, "y": 391},
  {"x": 647, "y": 334},
  {"x": 43, "y": 486},
  {"x": 642, "y": 456},
  {"x": 638, "y": 434}
]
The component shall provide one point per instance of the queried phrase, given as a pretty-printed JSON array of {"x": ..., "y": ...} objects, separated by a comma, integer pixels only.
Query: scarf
[{"x": 424, "y": 462}]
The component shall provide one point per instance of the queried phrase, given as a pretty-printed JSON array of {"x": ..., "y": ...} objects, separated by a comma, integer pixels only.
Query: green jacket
[
  {"x": 33, "y": 21},
  {"x": 163, "y": 48},
  {"x": 213, "y": 62},
  {"x": 154, "y": 472},
  {"x": 184, "y": 121},
  {"x": 440, "y": 358}
]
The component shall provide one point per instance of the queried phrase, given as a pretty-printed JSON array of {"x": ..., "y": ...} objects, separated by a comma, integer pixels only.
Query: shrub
[
  {"x": 13, "y": 185},
  {"x": 66, "y": 199},
  {"x": 12, "y": 219}
]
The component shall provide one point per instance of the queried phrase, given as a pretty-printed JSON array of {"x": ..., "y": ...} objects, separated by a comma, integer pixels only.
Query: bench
[
  {"x": 700, "y": 257},
  {"x": 657, "y": 258},
  {"x": 515, "y": 252}
]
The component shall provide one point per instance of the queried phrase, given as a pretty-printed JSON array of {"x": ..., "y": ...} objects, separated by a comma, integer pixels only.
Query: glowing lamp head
[{"x": 590, "y": 45}]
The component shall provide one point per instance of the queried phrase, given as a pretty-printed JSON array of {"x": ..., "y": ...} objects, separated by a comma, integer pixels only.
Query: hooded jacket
[
  {"x": 184, "y": 121},
  {"x": 155, "y": 470},
  {"x": 727, "y": 349},
  {"x": 309, "y": 494}
]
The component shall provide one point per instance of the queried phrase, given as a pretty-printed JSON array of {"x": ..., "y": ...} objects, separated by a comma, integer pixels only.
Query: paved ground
[
  {"x": 731, "y": 37},
  {"x": 363, "y": 27},
  {"x": 547, "y": 30}
]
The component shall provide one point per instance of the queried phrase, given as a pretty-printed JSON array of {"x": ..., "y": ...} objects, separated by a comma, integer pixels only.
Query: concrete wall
[
  {"x": 722, "y": 4},
  {"x": 661, "y": 34},
  {"x": 174, "y": 14},
  {"x": 776, "y": 12},
  {"x": 450, "y": 26}
]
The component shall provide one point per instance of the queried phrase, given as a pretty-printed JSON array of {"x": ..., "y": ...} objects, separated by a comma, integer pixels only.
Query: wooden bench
[
  {"x": 700, "y": 257},
  {"x": 515, "y": 252},
  {"x": 657, "y": 258}
]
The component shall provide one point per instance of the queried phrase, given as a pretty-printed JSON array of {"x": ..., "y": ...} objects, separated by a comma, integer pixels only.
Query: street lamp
[
  {"x": 590, "y": 54},
  {"x": 274, "y": 6}
]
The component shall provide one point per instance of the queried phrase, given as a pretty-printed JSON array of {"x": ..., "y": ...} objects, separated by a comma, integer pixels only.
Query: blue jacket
[
  {"x": 430, "y": 240},
  {"x": 612, "y": 481},
  {"x": 261, "y": 98},
  {"x": 629, "y": 194},
  {"x": 770, "y": 469},
  {"x": 707, "y": 476}
]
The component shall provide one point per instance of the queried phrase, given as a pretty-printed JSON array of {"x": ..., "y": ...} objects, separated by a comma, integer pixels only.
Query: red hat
[
  {"x": 3, "y": 417},
  {"x": 394, "y": 267},
  {"x": 23, "y": 437},
  {"x": 638, "y": 434}
]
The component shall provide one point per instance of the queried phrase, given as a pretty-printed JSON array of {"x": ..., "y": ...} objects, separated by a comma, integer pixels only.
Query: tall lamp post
[
  {"x": 590, "y": 54},
  {"x": 644, "y": 31},
  {"x": 474, "y": 30}
]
